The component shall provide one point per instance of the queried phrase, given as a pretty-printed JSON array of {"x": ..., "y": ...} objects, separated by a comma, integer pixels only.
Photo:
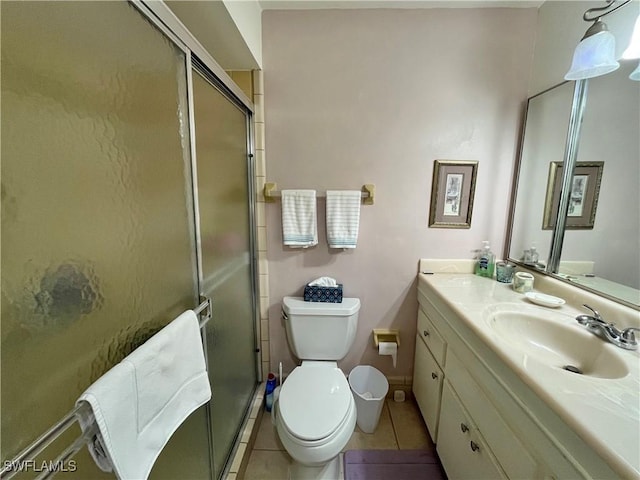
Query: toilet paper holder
[{"x": 386, "y": 335}]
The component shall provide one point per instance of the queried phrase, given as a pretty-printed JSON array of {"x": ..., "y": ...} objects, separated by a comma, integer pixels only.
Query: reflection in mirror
[
  {"x": 605, "y": 258},
  {"x": 544, "y": 139},
  {"x": 610, "y": 134}
]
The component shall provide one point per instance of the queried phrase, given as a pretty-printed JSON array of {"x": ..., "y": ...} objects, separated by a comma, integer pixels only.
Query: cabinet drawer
[
  {"x": 506, "y": 446},
  {"x": 462, "y": 449},
  {"x": 427, "y": 386},
  {"x": 428, "y": 332}
]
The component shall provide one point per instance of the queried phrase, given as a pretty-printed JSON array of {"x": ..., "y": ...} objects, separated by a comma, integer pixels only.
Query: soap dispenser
[{"x": 486, "y": 261}]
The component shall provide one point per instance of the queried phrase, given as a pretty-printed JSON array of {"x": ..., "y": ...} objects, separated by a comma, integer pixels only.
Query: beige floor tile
[
  {"x": 382, "y": 438},
  {"x": 267, "y": 437},
  {"x": 267, "y": 465},
  {"x": 400, "y": 427},
  {"x": 411, "y": 432}
]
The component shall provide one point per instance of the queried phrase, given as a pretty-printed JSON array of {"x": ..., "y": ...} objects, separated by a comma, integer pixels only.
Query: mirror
[
  {"x": 602, "y": 255},
  {"x": 543, "y": 142}
]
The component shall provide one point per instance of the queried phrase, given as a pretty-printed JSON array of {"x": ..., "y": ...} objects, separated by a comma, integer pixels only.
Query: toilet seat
[{"x": 314, "y": 401}]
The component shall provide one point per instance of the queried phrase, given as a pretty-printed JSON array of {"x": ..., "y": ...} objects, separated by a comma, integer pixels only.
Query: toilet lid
[{"x": 314, "y": 401}]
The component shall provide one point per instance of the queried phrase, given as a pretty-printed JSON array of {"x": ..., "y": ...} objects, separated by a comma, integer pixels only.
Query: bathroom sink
[{"x": 555, "y": 340}]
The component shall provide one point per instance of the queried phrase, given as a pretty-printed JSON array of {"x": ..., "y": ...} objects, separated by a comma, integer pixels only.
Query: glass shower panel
[
  {"x": 98, "y": 248},
  {"x": 223, "y": 202}
]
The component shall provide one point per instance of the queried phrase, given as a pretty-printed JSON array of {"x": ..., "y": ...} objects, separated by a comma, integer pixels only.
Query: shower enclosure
[{"x": 126, "y": 194}]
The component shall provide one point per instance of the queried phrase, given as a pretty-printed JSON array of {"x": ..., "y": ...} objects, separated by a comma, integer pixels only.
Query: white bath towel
[
  {"x": 343, "y": 218},
  {"x": 299, "y": 219},
  {"x": 140, "y": 402}
]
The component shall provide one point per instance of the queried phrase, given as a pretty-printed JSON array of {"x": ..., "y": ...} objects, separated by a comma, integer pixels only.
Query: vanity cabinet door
[
  {"x": 505, "y": 444},
  {"x": 463, "y": 451},
  {"x": 427, "y": 386}
]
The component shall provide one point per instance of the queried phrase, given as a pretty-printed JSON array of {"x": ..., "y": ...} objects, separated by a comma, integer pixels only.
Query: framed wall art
[
  {"x": 585, "y": 189},
  {"x": 452, "y": 191}
]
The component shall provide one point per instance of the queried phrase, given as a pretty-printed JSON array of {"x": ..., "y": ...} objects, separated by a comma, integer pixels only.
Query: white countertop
[{"x": 604, "y": 412}]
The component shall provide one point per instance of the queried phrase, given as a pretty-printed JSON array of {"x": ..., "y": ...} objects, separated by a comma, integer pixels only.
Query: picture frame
[
  {"x": 585, "y": 190},
  {"x": 452, "y": 192}
]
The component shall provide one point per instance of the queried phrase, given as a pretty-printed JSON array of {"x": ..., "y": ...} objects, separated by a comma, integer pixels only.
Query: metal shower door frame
[{"x": 198, "y": 58}]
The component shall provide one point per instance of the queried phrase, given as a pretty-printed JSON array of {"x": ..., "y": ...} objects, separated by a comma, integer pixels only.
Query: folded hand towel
[
  {"x": 343, "y": 218},
  {"x": 140, "y": 402},
  {"x": 323, "y": 282},
  {"x": 299, "y": 223}
]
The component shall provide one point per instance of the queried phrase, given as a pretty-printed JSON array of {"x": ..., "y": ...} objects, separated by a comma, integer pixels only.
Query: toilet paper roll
[{"x": 389, "y": 348}]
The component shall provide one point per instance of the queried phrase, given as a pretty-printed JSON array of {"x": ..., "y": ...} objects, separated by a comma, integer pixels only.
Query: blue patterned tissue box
[{"x": 323, "y": 294}]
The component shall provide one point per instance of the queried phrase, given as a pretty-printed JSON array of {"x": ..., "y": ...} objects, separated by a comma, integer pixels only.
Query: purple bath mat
[{"x": 395, "y": 464}]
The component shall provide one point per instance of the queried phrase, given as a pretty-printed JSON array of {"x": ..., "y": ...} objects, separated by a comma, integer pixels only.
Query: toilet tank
[{"x": 320, "y": 331}]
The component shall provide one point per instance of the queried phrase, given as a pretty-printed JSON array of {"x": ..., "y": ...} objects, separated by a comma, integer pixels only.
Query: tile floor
[{"x": 400, "y": 428}]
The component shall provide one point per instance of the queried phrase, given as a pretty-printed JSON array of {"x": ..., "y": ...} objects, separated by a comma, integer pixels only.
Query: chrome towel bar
[
  {"x": 25, "y": 459},
  {"x": 203, "y": 310}
]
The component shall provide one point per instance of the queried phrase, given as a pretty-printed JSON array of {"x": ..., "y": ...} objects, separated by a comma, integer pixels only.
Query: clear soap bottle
[{"x": 486, "y": 261}]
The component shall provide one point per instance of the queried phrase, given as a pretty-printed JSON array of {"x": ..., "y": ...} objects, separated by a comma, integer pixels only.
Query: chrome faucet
[{"x": 597, "y": 325}]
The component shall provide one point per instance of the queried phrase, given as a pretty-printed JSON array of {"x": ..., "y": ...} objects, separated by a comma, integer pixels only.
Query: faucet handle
[
  {"x": 592, "y": 321},
  {"x": 596, "y": 315},
  {"x": 628, "y": 336}
]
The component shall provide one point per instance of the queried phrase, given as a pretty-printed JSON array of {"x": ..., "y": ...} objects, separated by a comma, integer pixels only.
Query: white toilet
[{"x": 315, "y": 413}]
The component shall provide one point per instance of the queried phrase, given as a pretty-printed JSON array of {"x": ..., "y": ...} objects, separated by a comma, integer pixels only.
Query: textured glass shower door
[
  {"x": 98, "y": 246},
  {"x": 223, "y": 194}
]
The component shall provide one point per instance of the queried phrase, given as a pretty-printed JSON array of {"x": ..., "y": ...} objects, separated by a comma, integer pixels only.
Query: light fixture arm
[{"x": 586, "y": 16}]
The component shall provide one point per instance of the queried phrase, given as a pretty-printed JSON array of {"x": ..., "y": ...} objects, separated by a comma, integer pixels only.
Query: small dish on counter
[{"x": 544, "y": 299}]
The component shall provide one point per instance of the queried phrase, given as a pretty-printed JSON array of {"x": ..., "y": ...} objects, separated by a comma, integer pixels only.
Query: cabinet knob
[
  {"x": 464, "y": 428},
  {"x": 474, "y": 446},
  {"x": 425, "y": 333},
  {"x": 434, "y": 375}
]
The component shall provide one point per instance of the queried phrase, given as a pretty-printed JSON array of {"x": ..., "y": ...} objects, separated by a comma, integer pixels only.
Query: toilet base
[{"x": 333, "y": 470}]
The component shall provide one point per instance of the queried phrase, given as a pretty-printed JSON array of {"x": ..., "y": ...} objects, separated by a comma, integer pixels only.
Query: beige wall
[{"x": 375, "y": 96}]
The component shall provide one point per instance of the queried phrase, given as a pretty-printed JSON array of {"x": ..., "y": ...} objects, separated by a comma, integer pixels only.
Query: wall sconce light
[
  {"x": 633, "y": 50},
  {"x": 595, "y": 54}
]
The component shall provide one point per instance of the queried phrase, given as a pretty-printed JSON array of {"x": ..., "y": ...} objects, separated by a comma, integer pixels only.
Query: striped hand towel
[
  {"x": 343, "y": 218},
  {"x": 299, "y": 222}
]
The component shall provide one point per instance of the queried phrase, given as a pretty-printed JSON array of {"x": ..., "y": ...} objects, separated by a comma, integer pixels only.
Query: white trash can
[{"x": 369, "y": 387}]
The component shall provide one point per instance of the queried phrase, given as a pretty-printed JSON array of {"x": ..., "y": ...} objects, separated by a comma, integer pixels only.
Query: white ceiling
[{"x": 353, "y": 4}]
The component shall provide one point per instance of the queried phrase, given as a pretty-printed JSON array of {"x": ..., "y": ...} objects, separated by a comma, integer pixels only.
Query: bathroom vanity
[{"x": 490, "y": 382}]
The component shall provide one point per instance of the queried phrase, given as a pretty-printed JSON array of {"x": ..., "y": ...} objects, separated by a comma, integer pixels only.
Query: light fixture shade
[
  {"x": 594, "y": 56},
  {"x": 633, "y": 50},
  {"x": 635, "y": 75}
]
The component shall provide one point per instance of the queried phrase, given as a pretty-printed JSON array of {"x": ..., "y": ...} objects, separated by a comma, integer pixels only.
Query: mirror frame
[{"x": 556, "y": 246}]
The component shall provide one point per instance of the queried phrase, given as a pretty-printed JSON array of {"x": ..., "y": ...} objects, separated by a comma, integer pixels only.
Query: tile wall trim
[{"x": 261, "y": 221}]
